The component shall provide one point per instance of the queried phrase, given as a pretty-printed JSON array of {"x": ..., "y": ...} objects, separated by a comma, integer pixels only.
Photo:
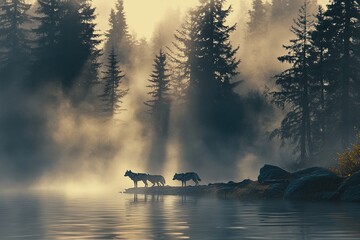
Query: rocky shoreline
[{"x": 314, "y": 184}]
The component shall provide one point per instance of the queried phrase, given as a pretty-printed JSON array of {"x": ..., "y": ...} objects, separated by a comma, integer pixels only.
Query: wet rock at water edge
[
  {"x": 312, "y": 171},
  {"x": 275, "y": 190},
  {"x": 270, "y": 173},
  {"x": 353, "y": 180},
  {"x": 312, "y": 187},
  {"x": 351, "y": 194}
]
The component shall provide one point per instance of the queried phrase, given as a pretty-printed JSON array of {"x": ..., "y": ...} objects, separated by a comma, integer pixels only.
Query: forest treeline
[{"x": 193, "y": 86}]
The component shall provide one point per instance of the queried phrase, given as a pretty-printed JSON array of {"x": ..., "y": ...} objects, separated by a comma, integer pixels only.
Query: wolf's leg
[
  {"x": 145, "y": 182},
  {"x": 195, "y": 181}
]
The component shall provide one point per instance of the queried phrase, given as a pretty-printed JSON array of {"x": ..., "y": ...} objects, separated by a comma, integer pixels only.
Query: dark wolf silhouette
[
  {"x": 137, "y": 177},
  {"x": 184, "y": 177},
  {"x": 156, "y": 179}
]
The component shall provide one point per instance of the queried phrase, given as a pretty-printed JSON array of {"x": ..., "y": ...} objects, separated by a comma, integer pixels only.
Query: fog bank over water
[{"x": 51, "y": 143}]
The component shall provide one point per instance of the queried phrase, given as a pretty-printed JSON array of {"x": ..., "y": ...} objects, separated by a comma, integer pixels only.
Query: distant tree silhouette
[
  {"x": 204, "y": 55},
  {"x": 282, "y": 14},
  {"x": 90, "y": 40},
  {"x": 14, "y": 40},
  {"x": 113, "y": 94},
  {"x": 323, "y": 121},
  {"x": 341, "y": 29},
  {"x": 159, "y": 102},
  {"x": 158, "y": 106},
  {"x": 118, "y": 36},
  {"x": 216, "y": 65},
  {"x": 47, "y": 34},
  {"x": 257, "y": 23},
  {"x": 284, "y": 10},
  {"x": 183, "y": 58},
  {"x": 295, "y": 84},
  {"x": 78, "y": 42}
]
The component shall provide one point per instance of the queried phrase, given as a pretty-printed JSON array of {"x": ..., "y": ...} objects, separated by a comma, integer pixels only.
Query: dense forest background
[{"x": 279, "y": 85}]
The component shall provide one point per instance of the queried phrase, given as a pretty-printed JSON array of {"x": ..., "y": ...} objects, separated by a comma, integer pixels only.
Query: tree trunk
[{"x": 345, "y": 113}]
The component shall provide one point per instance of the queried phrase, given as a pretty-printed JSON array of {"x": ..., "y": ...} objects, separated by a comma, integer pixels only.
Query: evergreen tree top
[{"x": 159, "y": 83}]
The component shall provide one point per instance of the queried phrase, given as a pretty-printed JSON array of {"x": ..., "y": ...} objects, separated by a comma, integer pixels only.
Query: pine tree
[
  {"x": 118, "y": 35},
  {"x": 257, "y": 24},
  {"x": 46, "y": 54},
  {"x": 205, "y": 59},
  {"x": 341, "y": 26},
  {"x": 159, "y": 103},
  {"x": 113, "y": 94},
  {"x": 295, "y": 83},
  {"x": 78, "y": 42},
  {"x": 321, "y": 74},
  {"x": 216, "y": 66},
  {"x": 184, "y": 58},
  {"x": 284, "y": 10},
  {"x": 14, "y": 40},
  {"x": 90, "y": 39}
]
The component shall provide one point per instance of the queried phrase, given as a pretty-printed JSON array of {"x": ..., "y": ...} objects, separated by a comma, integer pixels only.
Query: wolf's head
[
  {"x": 127, "y": 173},
  {"x": 176, "y": 177}
]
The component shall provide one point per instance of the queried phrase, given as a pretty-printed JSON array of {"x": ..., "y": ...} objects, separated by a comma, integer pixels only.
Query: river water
[{"x": 122, "y": 216}]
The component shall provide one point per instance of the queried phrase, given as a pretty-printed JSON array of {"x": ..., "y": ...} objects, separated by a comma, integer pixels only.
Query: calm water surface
[{"x": 121, "y": 216}]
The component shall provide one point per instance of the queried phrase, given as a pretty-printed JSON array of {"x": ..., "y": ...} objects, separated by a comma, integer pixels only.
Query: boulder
[
  {"x": 275, "y": 190},
  {"x": 312, "y": 171},
  {"x": 244, "y": 183},
  {"x": 351, "y": 194},
  {"x": 271, "y": 173},
  {"x": 353, "y": 180},
  {"x": 312, "y": 187}
]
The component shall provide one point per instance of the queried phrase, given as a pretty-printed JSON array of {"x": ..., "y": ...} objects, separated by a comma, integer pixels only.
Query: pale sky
[{"x": 143, "y": 15}]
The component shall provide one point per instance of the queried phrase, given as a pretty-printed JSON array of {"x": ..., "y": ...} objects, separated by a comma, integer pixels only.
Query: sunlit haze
[
  {"x": 139, "y": 119},
  {"x": 143, "y": 15}
]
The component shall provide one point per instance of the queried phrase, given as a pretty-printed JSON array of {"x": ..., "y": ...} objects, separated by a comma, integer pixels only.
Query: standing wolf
[
  {"x": 184, "y": 177},
  {"x": 137, "y": 177},
  {"x": 156, "y": 179}
]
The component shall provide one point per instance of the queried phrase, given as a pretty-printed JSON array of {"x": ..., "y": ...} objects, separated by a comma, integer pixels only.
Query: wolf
[
  {"x": 137, "y": 177},
  {"x": 184, "y": 177},
  {"x": 156, "y": 179}
]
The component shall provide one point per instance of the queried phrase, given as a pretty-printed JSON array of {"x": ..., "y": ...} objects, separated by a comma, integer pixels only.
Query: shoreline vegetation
[{"x": 314, "y": 184}]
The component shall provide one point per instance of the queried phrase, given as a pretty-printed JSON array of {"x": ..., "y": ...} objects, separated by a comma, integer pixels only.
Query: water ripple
[{"x": 120, "y": 216}]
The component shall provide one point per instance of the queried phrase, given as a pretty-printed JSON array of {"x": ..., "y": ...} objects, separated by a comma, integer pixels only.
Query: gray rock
[
  {"x": 244, "y": 183},
  {"x": 351, "y": 194},
  {"x": 353, "y": 180},
  {"x": 312, "y": 171},
  {"x": 275, "y": 190},
  {"x": 327, "y": 196},
  {"x": 312, "y": 187},
  {"x": 271, "y": 173}
]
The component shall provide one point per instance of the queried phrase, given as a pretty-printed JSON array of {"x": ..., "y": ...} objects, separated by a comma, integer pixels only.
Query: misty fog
[{"x": 55, "y": 138}]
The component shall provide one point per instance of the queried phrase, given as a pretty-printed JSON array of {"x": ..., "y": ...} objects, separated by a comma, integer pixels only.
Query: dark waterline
[{"x": 121, "y": 216}]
